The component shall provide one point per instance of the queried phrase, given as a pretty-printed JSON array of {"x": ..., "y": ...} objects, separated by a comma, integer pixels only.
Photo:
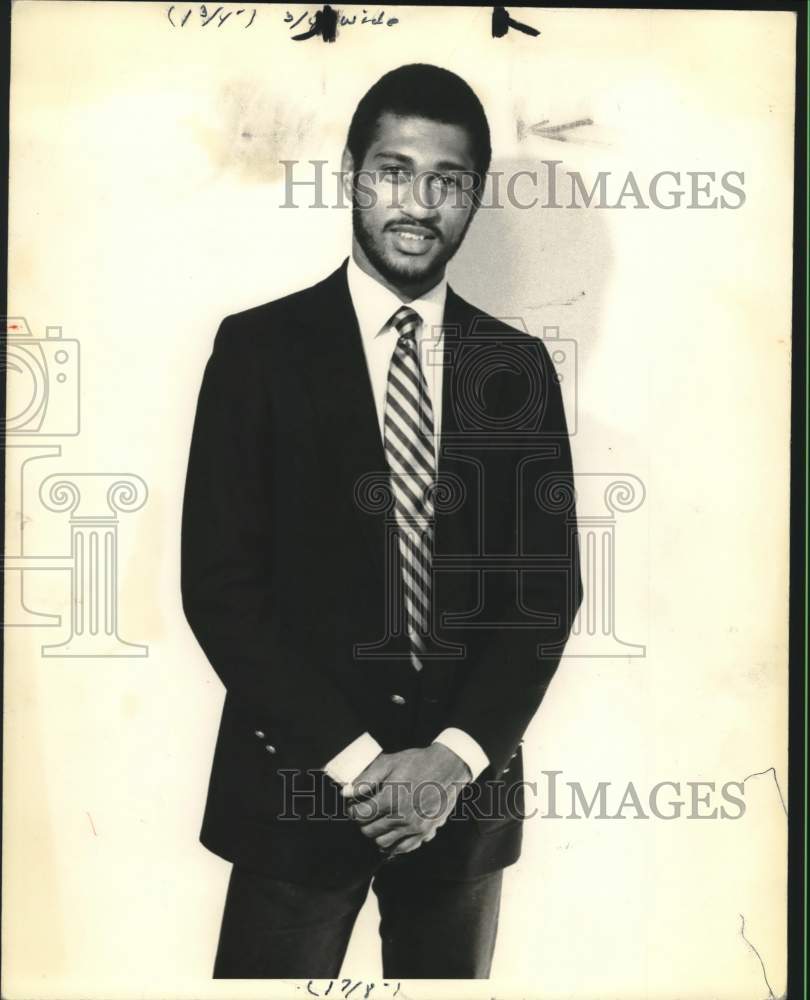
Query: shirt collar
[{"x": 374, "y": 304}]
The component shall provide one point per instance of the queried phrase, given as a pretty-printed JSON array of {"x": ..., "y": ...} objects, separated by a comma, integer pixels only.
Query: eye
[
  {"x": 444, "y": 180},
  {"x": 393, "y": 172}
]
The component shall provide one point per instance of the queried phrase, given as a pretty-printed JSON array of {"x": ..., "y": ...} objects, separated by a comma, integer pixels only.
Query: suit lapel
[
  {"x": 458, "y": 523},
  {"x": 455, "y": 328},
  {"x": 340, "y": 388},
  {"x": 354, "y": 464}
]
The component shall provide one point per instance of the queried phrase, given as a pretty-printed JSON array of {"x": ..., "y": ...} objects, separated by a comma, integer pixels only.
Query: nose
[{"x": 420, "y": 199}]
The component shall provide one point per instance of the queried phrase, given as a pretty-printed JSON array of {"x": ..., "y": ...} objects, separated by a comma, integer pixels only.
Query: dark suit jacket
[{"x": 290, "y": 582}]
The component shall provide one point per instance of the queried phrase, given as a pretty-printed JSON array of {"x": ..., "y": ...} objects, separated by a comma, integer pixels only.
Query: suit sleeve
[
  {"x": 226, "y": 555},
  {"x": 509, "y": 677}
]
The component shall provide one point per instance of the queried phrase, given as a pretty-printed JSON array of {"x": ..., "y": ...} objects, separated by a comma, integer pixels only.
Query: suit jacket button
[
  {"x": 397, "y": 699},
  {"x": 269, "y": 748},
  {"x": 259, "y": 733}
]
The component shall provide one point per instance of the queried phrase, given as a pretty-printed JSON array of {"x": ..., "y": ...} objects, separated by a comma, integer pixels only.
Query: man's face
[{"x": 411, "y": 199}]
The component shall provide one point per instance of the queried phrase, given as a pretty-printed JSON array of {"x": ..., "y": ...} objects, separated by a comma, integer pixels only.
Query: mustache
[{"x": 421, "y": 224}]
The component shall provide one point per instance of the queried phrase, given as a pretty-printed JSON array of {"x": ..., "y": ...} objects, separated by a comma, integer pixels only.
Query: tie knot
[{"x": 406, "y": 321}]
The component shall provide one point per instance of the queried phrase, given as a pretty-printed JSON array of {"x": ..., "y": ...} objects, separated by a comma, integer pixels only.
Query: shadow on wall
[{"x": 548, "y": 266}]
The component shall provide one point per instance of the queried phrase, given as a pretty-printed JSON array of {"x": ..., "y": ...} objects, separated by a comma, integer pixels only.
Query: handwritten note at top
[
  {"x": 325, "y": 22},
  {"x": 179, "y": 16}
]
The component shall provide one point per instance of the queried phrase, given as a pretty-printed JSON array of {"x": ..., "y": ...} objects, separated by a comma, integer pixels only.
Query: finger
[
  {"x": 375, "y": 808},
  {"x": 406, "y": 846},
  {"x": 367, "y": 811},
  {"x": 362, "y": 788},
  {"x": 393, "y": 836},
  {"x": 380, "y": 826},
  {"x": 363, "y": 812}
]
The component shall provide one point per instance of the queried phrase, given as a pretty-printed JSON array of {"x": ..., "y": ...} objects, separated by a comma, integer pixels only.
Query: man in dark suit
[{"x": 379, "y": 559}]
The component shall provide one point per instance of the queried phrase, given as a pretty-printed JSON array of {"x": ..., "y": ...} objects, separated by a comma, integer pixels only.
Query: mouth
[{"x": 410, "y": 239}]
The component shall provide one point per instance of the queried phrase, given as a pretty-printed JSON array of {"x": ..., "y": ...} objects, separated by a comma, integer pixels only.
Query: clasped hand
[{"x": 401, "y": 799}]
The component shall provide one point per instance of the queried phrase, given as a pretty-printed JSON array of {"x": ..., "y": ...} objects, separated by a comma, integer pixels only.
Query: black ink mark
[
  {"x": 324, "y": 24},
  {"x": 759, "y": 774},
  {"x": 502, "y": 22},
  {"x": 772, "y": 772},
  {"x": 771, "y": 994}
]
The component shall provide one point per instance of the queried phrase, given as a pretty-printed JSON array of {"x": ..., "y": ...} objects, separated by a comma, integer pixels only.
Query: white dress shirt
[{"x": 374, "y": 306}]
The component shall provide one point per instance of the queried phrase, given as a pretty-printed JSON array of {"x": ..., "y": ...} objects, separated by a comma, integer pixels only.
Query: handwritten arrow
[{"x": 546, "y": 131}]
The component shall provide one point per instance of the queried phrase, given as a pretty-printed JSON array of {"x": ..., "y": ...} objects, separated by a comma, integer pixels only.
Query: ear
[{"x": 347, "y": 173}]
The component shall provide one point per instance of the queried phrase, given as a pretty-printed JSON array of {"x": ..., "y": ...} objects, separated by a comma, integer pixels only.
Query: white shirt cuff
[
  {"x": 466, "y": 747},
  {"x": 350, "y": 763}
]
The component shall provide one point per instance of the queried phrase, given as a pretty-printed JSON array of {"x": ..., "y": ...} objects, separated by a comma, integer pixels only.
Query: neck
[{"x": 406, "y": 291}]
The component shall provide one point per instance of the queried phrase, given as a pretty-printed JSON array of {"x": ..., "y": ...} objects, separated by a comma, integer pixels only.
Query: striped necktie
[{"x": 408, "y": 434}]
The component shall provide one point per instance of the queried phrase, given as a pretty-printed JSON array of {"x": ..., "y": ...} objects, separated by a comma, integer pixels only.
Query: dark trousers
[{"x": 430, "y": 928}]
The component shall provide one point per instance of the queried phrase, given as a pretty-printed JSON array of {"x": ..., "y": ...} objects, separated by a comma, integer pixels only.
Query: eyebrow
[
  {"x": 452, "y": 165},
  {"x": 385, "y": 154}
]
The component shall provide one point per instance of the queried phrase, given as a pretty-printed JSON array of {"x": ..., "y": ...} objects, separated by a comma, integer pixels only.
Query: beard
[{"x": 399, "y": 270}]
